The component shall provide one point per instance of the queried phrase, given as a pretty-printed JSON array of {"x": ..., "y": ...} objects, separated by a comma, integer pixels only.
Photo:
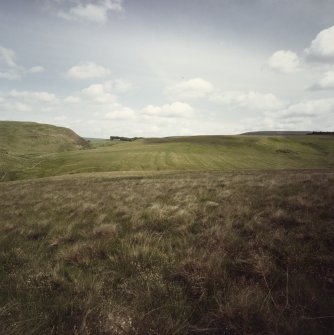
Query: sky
[{"x": 153, "y": 68}]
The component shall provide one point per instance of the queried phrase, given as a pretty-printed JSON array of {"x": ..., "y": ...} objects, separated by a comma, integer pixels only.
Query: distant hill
[
  {"x": 31, "y": 137},
  {"x": 277, "y": 133}
]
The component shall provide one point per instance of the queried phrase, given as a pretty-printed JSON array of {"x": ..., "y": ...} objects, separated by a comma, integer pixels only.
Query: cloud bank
[
  {"x": 189, "y": 89},
  {"x": 87, "y": 70},
  {"x": 284, "y": 61},
  {"x": 92, "y": 11},
  {"x": 322, "y": 47},
  {"x": 10, "y": 69}
]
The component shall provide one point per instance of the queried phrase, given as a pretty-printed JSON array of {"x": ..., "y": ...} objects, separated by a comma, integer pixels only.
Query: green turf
[
  {"x": 35, "y": 150},
  {"x": 205, "y": 153},
  {"x": 31, "y": 137},
  {"x": 23, "y": 145}
]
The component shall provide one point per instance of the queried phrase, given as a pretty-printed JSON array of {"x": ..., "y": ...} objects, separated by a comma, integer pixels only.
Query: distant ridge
[{"x": 277, "y": 133}]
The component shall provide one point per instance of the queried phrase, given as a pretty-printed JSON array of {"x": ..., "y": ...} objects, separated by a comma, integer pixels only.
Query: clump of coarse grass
[{"x": 202, "y": 253}]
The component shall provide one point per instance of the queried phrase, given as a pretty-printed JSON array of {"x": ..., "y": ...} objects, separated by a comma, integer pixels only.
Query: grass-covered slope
[
  {"x": 200, "y": 253},
  {"x": 200, "y": 153},
  {"x": 30, "y": 137},
  {"x": 31, "y": 150},
  {"x": 23, "y": 145},
  {"x": 277, "y": 133}
]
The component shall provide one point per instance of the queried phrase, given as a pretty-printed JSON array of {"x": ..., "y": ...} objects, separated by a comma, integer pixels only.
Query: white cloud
[
  {"x": 98, "y": 93},
  {"x": 305, "y": 115},
  {"x": 90, "y": 12},
  {"x": 118, "y": 85},
  {"x": 36, "y": 69},
  {"x": 41, "y": 106},
  {"x": 115, "y": 5},
  {"x": 248, "y": 100},
  {"x": 120, "y": 112},
  {"x": 326, "y": 83},
  {"x": 94, "y": 90},
  {"x": 18, "y": 107},
  {"x": 284, "y": 61},
  {"x": 110, "y": 86},
  {"x": 72, "y": 99},
  {"x": 100, "y": 98},
  {"x": 27, "y": 101},
  {"x": 192, "y": 88},
  {"x": 60, "y": 118},
  {"x": 174, "y": 110},
  {"x": 7, "y": 57},
  {"x": 32, "y": 96},
  {"x": 10, "y": 74},
  {"x": 307, "y": 109},
  {"x": 10, "y": 70},
  {"x": 88, "y": 70},
  {"x": 322, "y": 47},
  {"x": 93, "y": 12}
]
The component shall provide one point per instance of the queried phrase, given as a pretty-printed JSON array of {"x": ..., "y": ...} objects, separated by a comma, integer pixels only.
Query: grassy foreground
[{"x": 204, "y": 253}]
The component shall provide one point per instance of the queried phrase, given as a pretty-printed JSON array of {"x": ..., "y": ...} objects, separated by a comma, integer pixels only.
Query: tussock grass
[{"x": 205, "y": 253}]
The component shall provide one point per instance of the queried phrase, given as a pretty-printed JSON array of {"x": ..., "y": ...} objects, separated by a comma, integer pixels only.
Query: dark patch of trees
[
  {"x": 127, "y": 139},
  {"x": 322, "y": 133}
]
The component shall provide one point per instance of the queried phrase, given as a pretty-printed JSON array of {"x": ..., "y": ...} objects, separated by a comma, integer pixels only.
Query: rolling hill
[
  {"x": 31, "y": 137},
  {"x": 197, "y": 153},
  {"x": 22, "y": 144},
  {"x": 277, "y": 133},
  {"x": 35, "y": 150}
]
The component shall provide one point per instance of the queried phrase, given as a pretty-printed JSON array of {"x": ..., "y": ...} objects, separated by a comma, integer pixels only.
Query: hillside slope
[
  {"x": 276, "y": 133},
  {"x": 194, "y": 153},
  {"x": 31, "y": 137},
  {"x": 23, "y": 145},
  {"x": 197, "y": 153}
]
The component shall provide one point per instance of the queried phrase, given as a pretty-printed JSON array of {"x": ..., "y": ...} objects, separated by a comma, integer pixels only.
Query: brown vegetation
[{"x": 205, "y": 253}]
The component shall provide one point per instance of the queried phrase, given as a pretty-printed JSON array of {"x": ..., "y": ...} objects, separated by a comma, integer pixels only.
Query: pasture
[{"x": 198, "y": 153}]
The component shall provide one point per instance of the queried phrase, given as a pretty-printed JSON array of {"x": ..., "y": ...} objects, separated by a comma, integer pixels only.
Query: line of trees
[
  {"x": 322, "y": 133},
  {"x": 121, "y": 138}
]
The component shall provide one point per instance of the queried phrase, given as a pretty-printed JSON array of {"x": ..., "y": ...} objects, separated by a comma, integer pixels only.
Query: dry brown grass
[{"x": 204, "y": 253}]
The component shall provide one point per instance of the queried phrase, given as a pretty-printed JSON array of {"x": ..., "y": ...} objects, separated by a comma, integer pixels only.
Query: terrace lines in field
[
  {"x": 194, "y": 153},
  {"x": 204, "y": 153}
]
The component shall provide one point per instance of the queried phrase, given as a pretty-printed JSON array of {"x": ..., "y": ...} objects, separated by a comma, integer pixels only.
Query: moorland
[{"x": 179, "y": 235}]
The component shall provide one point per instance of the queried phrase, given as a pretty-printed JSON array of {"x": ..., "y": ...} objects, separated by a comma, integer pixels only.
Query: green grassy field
[
  {"x": 198, "y": 153},
  {"x": 205, "y": 153},
  {"x": 29, "y": 150}
]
